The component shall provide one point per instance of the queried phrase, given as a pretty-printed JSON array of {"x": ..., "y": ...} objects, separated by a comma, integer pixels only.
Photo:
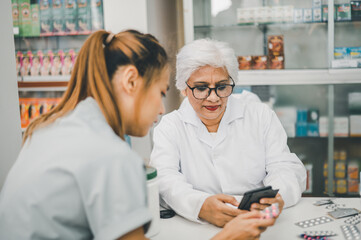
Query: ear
[
  {"x": 129, "y": 79},
  {"x": 184, "y": 92}
]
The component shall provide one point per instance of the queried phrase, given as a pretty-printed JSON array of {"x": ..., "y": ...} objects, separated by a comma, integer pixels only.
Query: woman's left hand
[{"x": 265, "y": 202}]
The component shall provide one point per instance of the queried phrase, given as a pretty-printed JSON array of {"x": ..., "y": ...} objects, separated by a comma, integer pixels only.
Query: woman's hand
[
  {"x": 216, "y": 211},
  {"x": 246, "y": 226},
  {"x": 265, "y": 202}
]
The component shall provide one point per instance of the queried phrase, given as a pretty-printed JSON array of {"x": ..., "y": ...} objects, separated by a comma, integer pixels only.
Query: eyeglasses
[{"x": 222, "y": 91}]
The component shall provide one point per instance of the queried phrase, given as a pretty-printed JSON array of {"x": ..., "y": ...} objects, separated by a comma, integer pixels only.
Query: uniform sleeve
[
  {"x": 284, "y": 170},
  {"x": 114, "y": 193},
  {"x": 174, "y": 189}
]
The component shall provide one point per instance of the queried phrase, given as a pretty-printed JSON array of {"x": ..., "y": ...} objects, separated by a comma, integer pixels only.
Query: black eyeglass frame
[{"x": 215, "y": 90}]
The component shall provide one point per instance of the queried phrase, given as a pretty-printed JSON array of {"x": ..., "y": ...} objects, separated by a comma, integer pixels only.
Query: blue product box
[
  {"x": 341, "y": 53},
  {"x": 354, "y": 52},
  {"x": 301, "y": 129},
  {"x": 313, "y": 130},
  {"x": 302, "y": 115}
]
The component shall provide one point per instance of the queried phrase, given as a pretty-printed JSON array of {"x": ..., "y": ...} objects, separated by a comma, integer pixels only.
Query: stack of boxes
[
  {"x": 346, "y": 174},
  {"x": 307, "y": 123}
]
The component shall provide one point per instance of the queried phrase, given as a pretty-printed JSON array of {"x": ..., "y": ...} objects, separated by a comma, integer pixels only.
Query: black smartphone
[{"x": 255, "y": 195}]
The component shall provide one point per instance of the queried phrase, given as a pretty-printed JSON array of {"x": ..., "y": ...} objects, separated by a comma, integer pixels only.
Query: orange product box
[
  {"x": 276, "y": 62},
  {"x": 244, "y": 62},
  {"x": 275, "y": 45},
  {"x": 259, "y": 62}
]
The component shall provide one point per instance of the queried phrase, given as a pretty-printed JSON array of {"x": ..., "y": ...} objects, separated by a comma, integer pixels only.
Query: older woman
[{"x": 216, "y": 146}]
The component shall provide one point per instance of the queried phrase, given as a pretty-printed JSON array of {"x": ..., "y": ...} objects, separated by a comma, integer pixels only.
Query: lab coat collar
[{"x": 235, "y": 110}]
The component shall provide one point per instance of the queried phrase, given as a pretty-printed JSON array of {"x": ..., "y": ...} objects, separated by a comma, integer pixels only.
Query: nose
[{"x": 213, "y": 96}]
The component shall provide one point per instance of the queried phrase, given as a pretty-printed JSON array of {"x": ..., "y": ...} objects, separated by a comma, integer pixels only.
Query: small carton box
[
  {"x": 15, "y": 13},
  {"x": 70, "y": 16},
  {"x": 25, "y": 18},
  {"x": 343, "y": 12},
  {"x": 355, "y": 10},
  {"x": 35, "y": 18},
  {"x": 298, "y": 15},
  {"x": 341, "y": 186},
  {"x": 259, "y": 62},
  {"x": 36, "y": 64},
  {"x": 353, "y": 170},
  {"x": 317, "y": 15},
  {"x": 353, "y": 186},
  {"x": 68, "y": 62},
  {"x": 301, "y": 129},
  {"x": 288, "y": 13},
  {"x": 19, "y": 60},
  {"x": 309, "y": 180},
  {"x": 46, "y": 61},
  {"x": 312, "y": 130},
  {"x": 46, "y": 18},
  {"x": 97, "y": 14},
  {"x": 323, "y": 126},
  {"x": 354, "y": 52},
  {"x": 26, "y": 63},
  {"x": 275, "y": 45},
  {"x": 276, "y": 62},
  {"x": 341, "y": 53},
  {"x": 57, "y": 63},
  {"x": 244, "y": 62},
  {"x": 58, "y": 17},
  {"x": 341, "y": 126},
  {"x": 84, "y": 17},
  {"x": 355, "y": 125},
  {"x": 340, "y": 169},
  {"x": 307, "y": 14},
  {"x": 316, "y": 3}
]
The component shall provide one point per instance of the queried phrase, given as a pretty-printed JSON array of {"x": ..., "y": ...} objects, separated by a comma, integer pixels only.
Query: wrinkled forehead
[{"x": 209, "y": 74}]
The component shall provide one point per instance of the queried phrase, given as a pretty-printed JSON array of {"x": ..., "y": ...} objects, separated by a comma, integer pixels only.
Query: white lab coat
[{"x": 249, "y": 151}]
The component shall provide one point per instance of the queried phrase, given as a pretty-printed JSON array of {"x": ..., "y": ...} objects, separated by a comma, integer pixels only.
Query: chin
[{"x": 138, "y": 132}]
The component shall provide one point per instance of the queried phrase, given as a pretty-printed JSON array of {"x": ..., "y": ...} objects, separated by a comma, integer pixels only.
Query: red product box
[
  {"x": 259, "y": 62},
  {"x": 244, "y": 62}
]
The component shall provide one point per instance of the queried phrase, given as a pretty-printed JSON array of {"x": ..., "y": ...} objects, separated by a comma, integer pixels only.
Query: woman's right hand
[{"x": 246, "y": 226}]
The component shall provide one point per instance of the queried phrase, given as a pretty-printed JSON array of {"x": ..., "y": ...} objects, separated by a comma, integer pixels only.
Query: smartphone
[{"x": 255, "y": 195}]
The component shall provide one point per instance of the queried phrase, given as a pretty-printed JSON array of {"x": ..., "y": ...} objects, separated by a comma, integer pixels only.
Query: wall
[{"x": 10, "y": 132}]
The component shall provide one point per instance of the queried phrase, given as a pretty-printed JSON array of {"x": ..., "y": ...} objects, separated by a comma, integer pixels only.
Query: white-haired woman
[{"x": 216, "y": 146}]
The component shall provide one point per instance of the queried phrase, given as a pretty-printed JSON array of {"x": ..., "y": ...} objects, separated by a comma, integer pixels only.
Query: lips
[{"x": 212, "y": 108}]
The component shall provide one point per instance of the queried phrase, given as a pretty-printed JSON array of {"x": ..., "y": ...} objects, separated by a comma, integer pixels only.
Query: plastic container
[{"x": 153, "y": 201}]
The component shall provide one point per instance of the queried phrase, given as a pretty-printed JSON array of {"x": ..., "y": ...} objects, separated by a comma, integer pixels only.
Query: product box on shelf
[
  {"x": 15, "y": 14},
  {"x": 58, "y": 17},
  {"x": 353, "y": 186},
  {"x": 259, "y": 62},
  {"x": 288, "y": 117},
  {"x": 355, "y": 125},
  {"x": 354, "y": 52},
  {"x": 316, "y": 15},
  {"x": 343, "y": 12},
  {"x": 57, "y": 63},
  {"x": 340, "y": 169},
  {"x": 298, "y": 15},
  {"x": 96, "y": 14},
  {"x": 70, "y": 13},
  {"x": 325, "y": 13},
  {"x": 25, "y": 18},
  {"x": 26, "y": 63},
  {"x": 313, "y": 115},
  {"x": 301, "y": 129},
  {"x": 68, "y": 63},
  {"x": 313, "y": 130},
  {"x": 84, "y": 17},
  {"x": 341, "y": 53},
  {"x": 244, "y": 62},
  {"x": 275, "y": 45},
  {"x": 309, "y": 181},
  {"x": 288, "y": 13},
  {"x": 316, "y": 3},
  {"x": 341, "y": 186},
  {"x": 35, "y": 18},
  {"x": 353, "y": 170},
  {"x": 323, "y": 126},
  {"x": 46, "y": 18},
  {"x": 341, "y": 128},
  {"x": 19, "y": 60},
  {"x": 356, "y": 10},
  {"x": 354, "y": 103},
  {"x": 307, "y": 14},
  {"x": 46, "y": 61},
  {"x": 276, "y": 62},
  {"x": 36, "y": 64}
]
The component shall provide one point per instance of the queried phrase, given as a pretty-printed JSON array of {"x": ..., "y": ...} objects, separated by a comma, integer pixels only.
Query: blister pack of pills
[
  {"x": 354, "y": 220},
  {"x": 314, "y": 222},
  {"x": 271, "y": 211},
  {"x": 350, "y": 232},
  {"x": 317, "y": 235}
]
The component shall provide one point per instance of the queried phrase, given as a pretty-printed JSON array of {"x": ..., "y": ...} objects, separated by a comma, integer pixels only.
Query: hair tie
[{"x": 109, "y": 39}]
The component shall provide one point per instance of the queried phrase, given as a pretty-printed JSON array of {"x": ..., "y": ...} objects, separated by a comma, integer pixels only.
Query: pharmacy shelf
[
  {"x": 256, "y": 24},
  {"x": 298, "y": 77},
  {"x": 44, "y": 79},
  {"x": 43, "y": 86}
]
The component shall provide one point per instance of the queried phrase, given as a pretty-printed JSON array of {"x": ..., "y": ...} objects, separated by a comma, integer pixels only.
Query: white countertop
[{"x": 178, "y": 228}]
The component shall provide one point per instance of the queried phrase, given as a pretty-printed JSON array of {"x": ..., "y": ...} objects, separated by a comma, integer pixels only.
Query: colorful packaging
[
  {"x": 341, "y": 53},
  {"x": 36, "y": 64},
  {"x": 71, "y": 14},
  {"x": 333, "y": 185},
  {"x": 46, "y": 18},
  {"x": 259, "y": 62},
  {"x": 355, "y": 10},
  {"x": 57, "y": 63},
  {"x": 354, "y": 52},
  {"x": 26, "y": 63},
  {"x": 343, "y": 12},
  {"x": 353, "y": 186},
  {"x": 325, "y": 13},
  {"x": 84, "y": 17},
  {"x": 19, "y": 60},
  {"x": 276, "y": 62},
  {"x": 46, "y": 60},
  {"x": 301, "y": 129},
  {"x": 25, "y": 18},
  {"x": 340, "y": 169},
  {"x": 275, "y": 45},
  {"x": 312, "y": 130},
  {"x": 309, "y": 181},
  {"x": 68, "y": 62},
  {"x": 58, "y": 17},
  {"x": 341, "y": 186},
  {"x": 15, "y": 13},
  {"x": 35, "y": 18},
  {"x": 353, "y": 170},
  {"x": 244, "y": 62},
  {"x": 97, "y": 14}
]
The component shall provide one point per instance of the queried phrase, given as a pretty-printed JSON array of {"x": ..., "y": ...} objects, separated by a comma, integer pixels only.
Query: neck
[{"x": 212, "y": 124}]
